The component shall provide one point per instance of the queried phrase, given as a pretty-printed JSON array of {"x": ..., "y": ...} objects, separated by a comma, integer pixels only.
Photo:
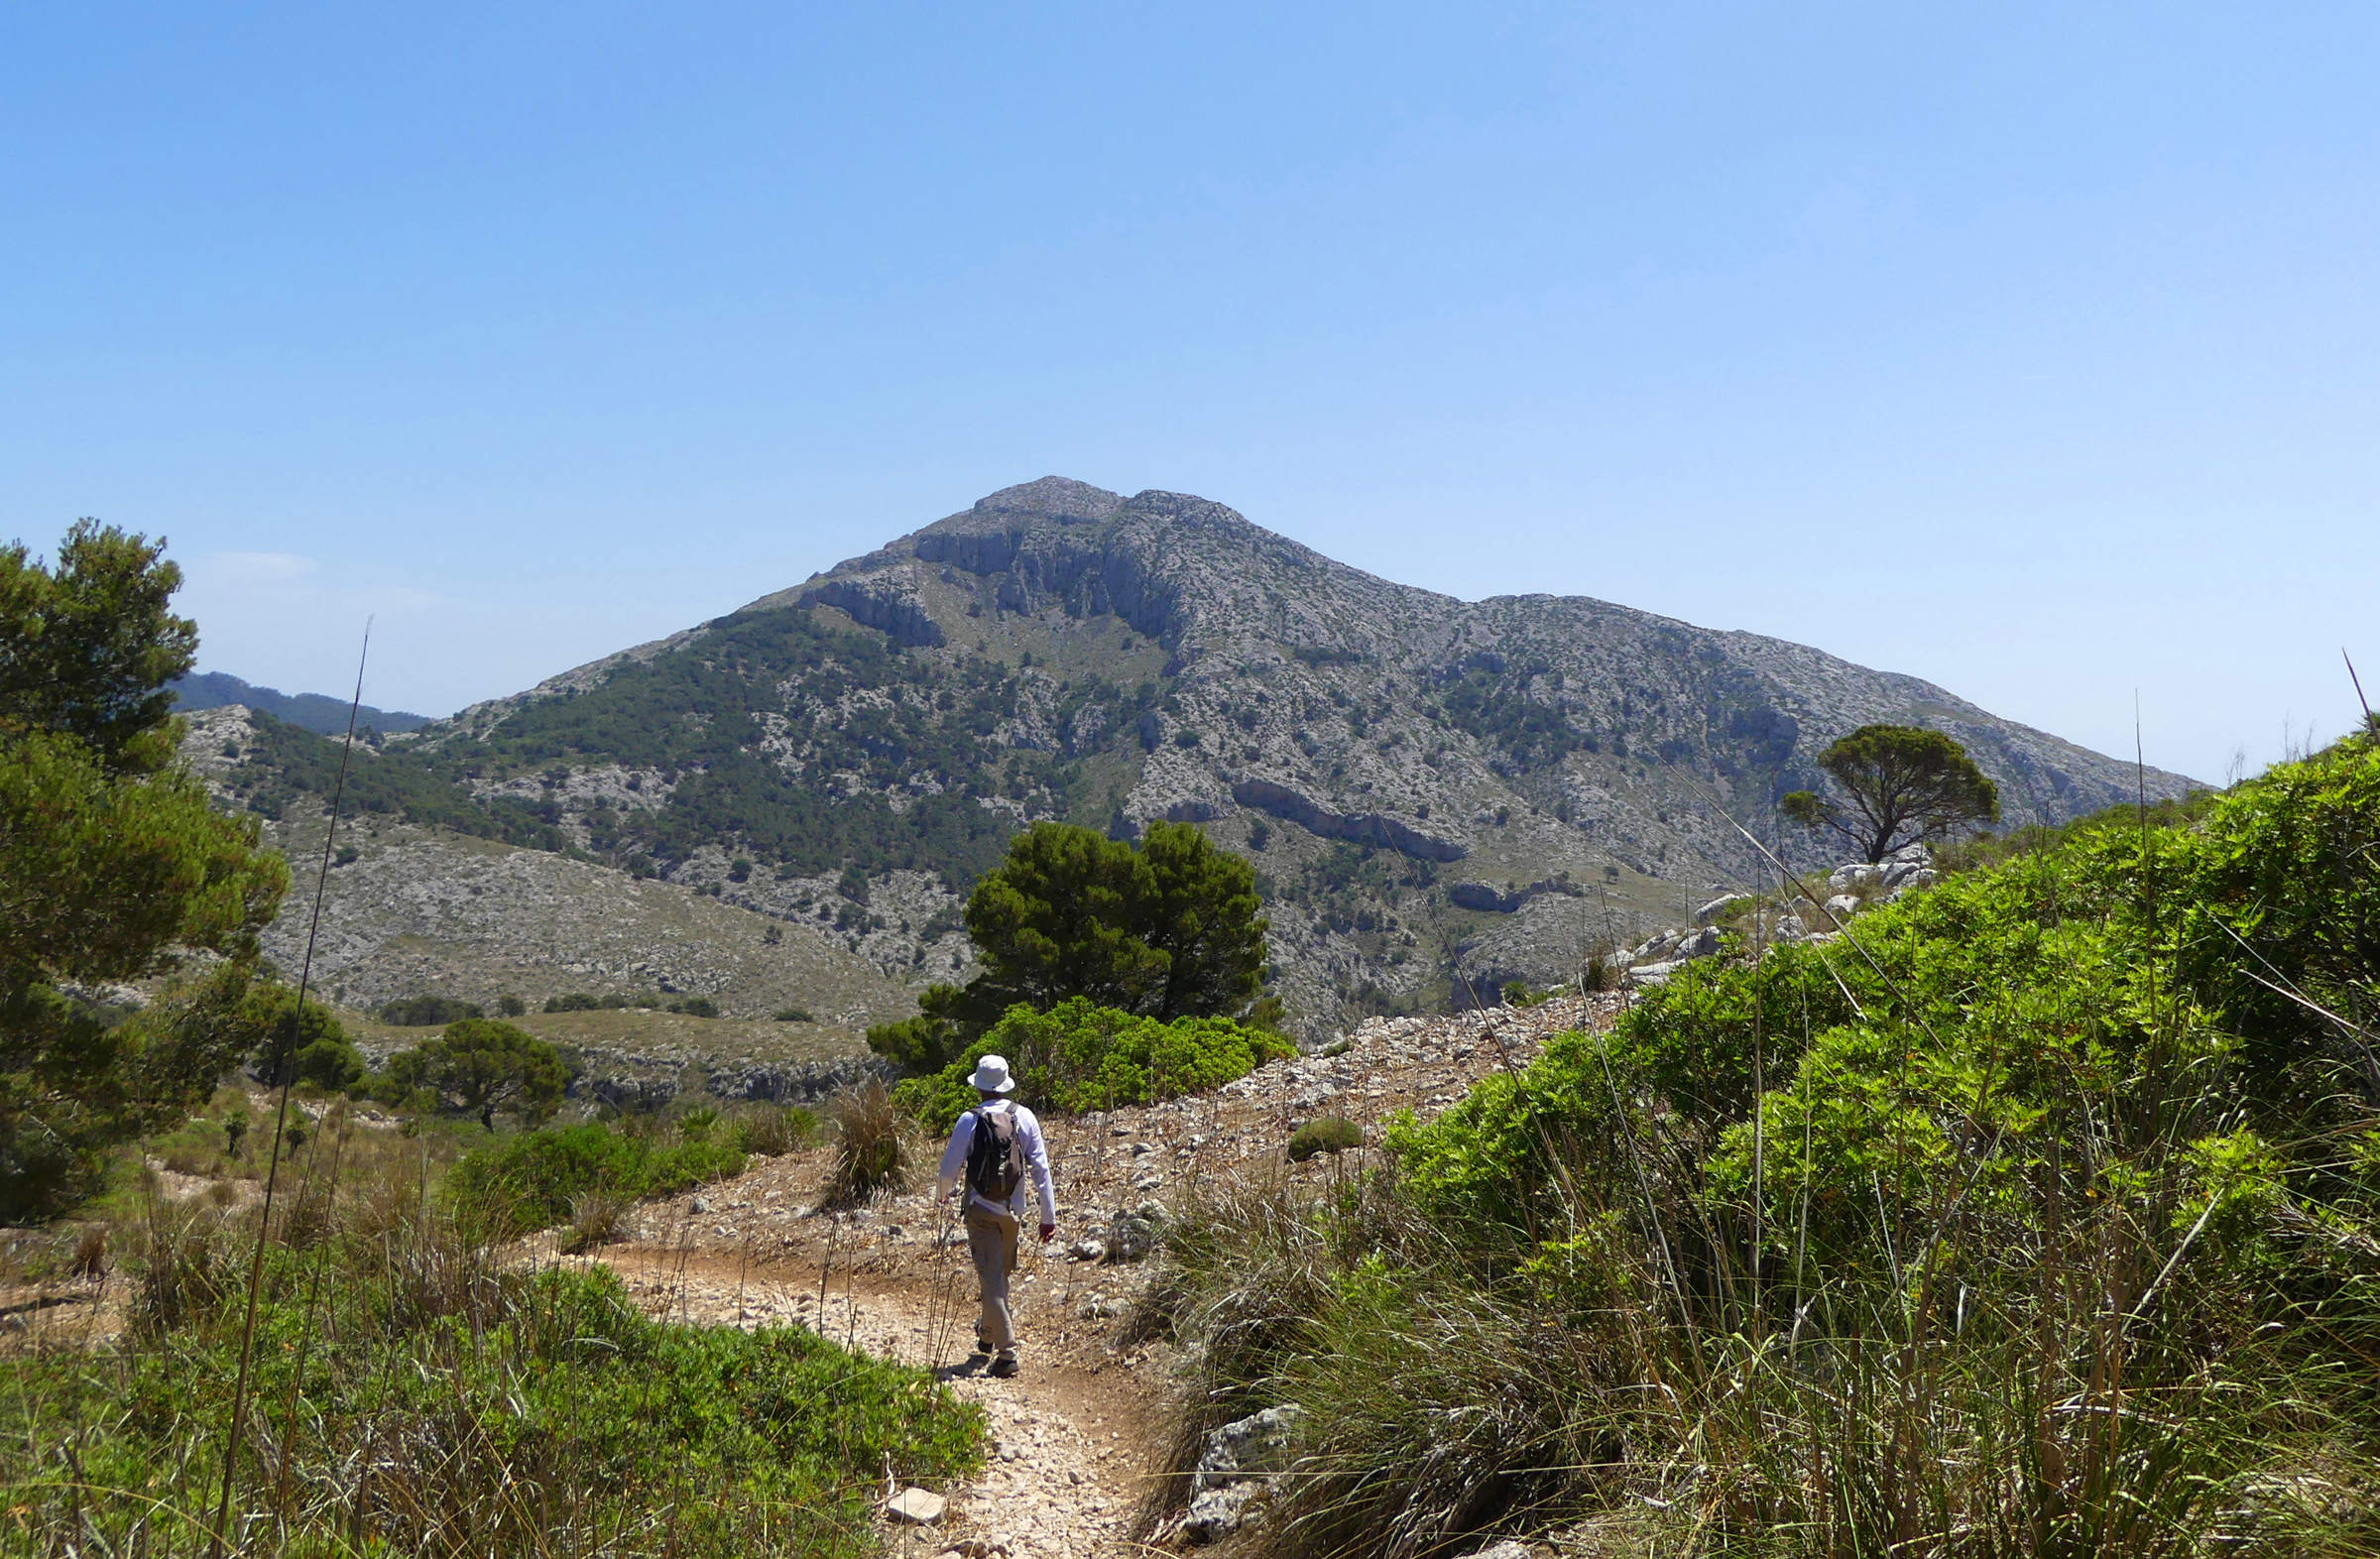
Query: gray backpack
[{"x": 995, "y": 1163}]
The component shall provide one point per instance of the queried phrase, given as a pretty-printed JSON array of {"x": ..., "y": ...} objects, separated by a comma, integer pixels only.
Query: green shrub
[
  {"x": 1077, "y": 1057},
  {"x": 427, "y": 1011},
  {"x": 696, "y": 1007},
  {"x": 1330, "y": 1135},
  {"x": 769, "y": 1130},
  {"x": 794, "y": 1015},
  {"x": 584, "y": 1002},
  {"x": 536, "y": 1176}
]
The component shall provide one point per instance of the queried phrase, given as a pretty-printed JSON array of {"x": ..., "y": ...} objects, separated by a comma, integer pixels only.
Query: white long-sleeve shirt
[{"x": 1028, "y": 1142}]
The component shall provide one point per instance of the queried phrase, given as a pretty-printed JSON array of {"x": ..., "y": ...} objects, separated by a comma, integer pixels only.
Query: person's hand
[{"x": 1049, "y": 1230}]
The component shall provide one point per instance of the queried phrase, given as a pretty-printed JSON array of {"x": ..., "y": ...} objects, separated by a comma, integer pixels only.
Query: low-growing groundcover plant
[
  {"x": 1079, "y": 1056},
  {"x": 2040, "y": 1215},
  {"x": 1330, "y": 1135},
  {"x": 414, "y": 1393}
]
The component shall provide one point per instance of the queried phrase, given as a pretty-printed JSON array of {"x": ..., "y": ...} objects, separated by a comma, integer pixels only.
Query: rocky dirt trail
[{"x": 1077, "y": 1434}]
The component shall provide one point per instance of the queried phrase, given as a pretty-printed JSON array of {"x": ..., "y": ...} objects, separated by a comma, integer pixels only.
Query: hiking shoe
[{"x": 1003, "y": 1367}]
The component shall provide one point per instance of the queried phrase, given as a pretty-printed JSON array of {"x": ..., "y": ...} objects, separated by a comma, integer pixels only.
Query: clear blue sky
[{"x": 2027, "y": 348}]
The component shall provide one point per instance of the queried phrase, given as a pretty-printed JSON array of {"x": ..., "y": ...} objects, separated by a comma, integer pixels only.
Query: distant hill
[
  {"x": 313, "y": 711},
  {"x": 1437, "y": 794}
]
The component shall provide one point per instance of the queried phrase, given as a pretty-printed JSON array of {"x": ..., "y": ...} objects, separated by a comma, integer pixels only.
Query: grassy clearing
[
  {"x": 414, "y": 1393},
  {"x": 2041, "y": 1216}
]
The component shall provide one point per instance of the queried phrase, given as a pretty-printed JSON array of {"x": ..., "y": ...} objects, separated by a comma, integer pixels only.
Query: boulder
[
  {"x": 1720, "y": 909},
  {"x": 1843, "y": 906},
  {"x": 1220, "y": 1511},
  {"x": 1134, "y": 1232},
  {"x": 1234, "y": 1471},
  {"x": 916, "y": 1506},
  {"x": 1658, "y": 953}
]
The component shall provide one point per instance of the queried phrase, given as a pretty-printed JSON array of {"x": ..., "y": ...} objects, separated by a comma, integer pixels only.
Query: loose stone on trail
[{"x": 916, "y": 1506}]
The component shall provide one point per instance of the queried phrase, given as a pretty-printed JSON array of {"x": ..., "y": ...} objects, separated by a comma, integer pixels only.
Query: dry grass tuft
[
  {"x": 184, "y": 1268},
  {"x": 873, "y": 1152},
  {"x": 91, "y": 1252},
  {"x": 596, "y": 1218}
]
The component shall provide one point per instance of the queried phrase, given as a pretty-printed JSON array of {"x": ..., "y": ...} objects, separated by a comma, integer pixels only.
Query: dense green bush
[
  {"x": 536, "y": 1176},
  {"x": 2037, "y": 1213},
  {"x": 583, "y": 1001},
  {"x": 1168, "y": 928},
  {"x": 1078, "y": 1056},
  {"x": 427, "y": 1011}
]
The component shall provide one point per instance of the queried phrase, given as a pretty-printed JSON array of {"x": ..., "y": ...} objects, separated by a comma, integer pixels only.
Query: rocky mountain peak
[
  {"x": 1056, "y": 497},
  {"x": 1438, "y": 794}
]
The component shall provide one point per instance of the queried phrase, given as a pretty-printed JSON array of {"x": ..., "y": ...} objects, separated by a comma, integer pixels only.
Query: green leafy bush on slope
[
  {"x": 2041, "y": 1214},
  {"x": 536, "y": 1176}
]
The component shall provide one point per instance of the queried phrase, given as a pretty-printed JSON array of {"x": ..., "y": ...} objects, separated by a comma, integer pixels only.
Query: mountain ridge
[
  {"x": 317, "y": 712},
  {"x": 1438, "y": 794}
]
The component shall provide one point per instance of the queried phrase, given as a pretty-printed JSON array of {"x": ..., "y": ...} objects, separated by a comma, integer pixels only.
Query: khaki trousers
[{"x": 992, "y": 1241}]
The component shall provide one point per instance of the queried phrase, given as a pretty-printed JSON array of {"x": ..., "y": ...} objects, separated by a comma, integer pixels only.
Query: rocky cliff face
[{"x": 1438, "y": 794}]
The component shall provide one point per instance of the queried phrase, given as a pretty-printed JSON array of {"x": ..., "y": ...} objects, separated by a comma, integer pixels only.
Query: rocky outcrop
[
  {"x": 1372, "y": 828},
  {"x": 1486, "y": 898},
  {"x": 1849, "y": 890},
  {"x": 886, "y": 602}
]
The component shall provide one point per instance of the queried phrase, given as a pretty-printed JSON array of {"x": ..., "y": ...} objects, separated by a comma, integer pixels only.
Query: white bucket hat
[{"x": 992, "y": 1076}]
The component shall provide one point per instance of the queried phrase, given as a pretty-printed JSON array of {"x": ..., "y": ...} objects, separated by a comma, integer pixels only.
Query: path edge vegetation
[{"x": 2039, "y": 1214}]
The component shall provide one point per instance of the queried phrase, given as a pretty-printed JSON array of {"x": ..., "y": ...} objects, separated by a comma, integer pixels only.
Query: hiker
[{"x": 994, "y": 1144}]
